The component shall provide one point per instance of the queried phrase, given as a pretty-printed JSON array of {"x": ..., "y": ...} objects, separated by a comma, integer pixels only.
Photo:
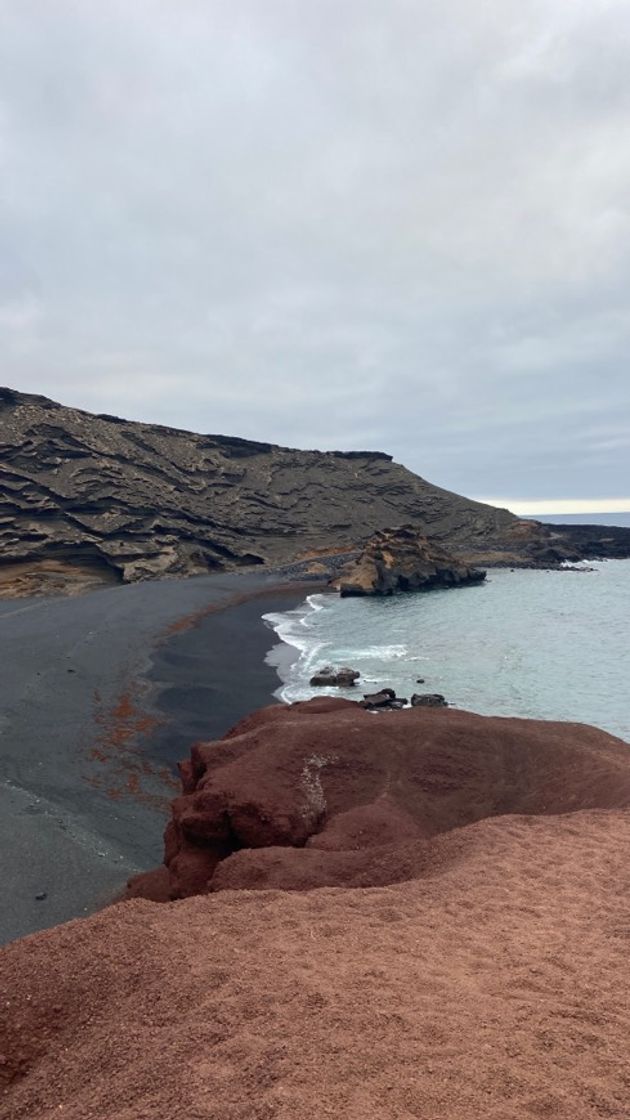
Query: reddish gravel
[{"x": 491, "y": 983}]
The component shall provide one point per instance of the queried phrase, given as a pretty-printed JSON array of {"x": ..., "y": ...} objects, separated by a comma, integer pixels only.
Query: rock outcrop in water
[
  {"x": 86, "y": 498},
  {"x": 329, "y": 677},
  {"x": 324, "y": 793},
  {"x": 403, "y": 560},
  {"x": 383, "y": 700}
]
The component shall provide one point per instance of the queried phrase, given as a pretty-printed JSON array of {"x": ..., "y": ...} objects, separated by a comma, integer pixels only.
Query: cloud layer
[{"x": 401, "y": 226}]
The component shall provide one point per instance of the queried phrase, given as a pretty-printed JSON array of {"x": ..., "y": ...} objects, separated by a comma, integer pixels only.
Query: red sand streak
[
  {"x": 188, "y": 621},
  {"x": 126, "y": 723},
  {"x": 118, "y": 751}
]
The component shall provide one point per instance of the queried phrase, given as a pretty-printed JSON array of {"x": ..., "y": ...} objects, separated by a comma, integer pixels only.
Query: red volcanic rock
[
  {"x": 323, "y": 793},
  {"x": 483, "y": 974}
]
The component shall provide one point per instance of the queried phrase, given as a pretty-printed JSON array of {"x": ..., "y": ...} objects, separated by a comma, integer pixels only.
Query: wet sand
[
  {"x": 99, "y": 697},
  {"x": 208, "y": 677}
]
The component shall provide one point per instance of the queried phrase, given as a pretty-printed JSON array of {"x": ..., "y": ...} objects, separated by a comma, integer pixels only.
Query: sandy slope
[
  {"x": 496, "y": 988},
  {"x": 492, "y": 983}
]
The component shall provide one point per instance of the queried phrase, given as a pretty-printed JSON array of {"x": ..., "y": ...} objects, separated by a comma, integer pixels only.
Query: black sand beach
[
  {"x": 206, "y": 678},
  {"x": 99, "y": 697}
]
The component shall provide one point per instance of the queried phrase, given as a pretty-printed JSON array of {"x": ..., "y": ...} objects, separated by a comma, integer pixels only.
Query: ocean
[
  {"x": 544, "y": 644},
  {"x": 621, "y": 519}
]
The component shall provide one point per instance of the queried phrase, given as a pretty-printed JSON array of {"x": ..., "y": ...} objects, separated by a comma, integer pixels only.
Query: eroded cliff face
[
  {"x": 325, "y": 794},
  {"x": 90, "y": 498},
  {"x": 403, "y": 560},
  {"x": 141, "y": 500}
]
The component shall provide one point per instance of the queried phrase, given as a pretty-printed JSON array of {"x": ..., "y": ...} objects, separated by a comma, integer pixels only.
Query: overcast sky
[{"x": 396, "y": 225}]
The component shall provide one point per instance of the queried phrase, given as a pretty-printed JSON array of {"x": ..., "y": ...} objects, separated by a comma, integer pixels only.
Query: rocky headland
[
  {"x": 402, "y": 559},
  {"x": 88, "y": 499},
  {"x": 413, "y": 914}
]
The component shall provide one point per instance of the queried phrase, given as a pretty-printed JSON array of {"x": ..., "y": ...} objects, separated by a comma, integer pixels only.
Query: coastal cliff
[
  {"x": 325, "y": 793},
  {"x": 86, "y": 499}
]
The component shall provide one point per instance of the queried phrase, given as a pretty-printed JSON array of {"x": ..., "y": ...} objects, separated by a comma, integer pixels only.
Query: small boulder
[
  {"x": 328, "y": 677},
  {"x": 324, "y": 676},
  {"x": 385, "y": 700},
  {"x": 377, "y": 699},
  {"x": 346, "y": 677},
  {"x": 428, "y": 700}
]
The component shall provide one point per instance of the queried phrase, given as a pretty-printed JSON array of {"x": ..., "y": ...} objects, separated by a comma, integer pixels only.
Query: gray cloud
[{"x": 401, "y": 226}]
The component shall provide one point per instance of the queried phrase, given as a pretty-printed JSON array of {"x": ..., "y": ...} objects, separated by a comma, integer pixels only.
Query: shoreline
[
  {"x": 206, "y": 678},
  {"x": 90, "y": 733},
  {"x": 518, "y": 645},
  {"x": 101, "y": 696}
]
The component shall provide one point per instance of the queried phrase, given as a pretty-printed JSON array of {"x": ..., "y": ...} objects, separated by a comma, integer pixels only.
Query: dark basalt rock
[
  {"x": 385, "y": 700},
  {"x": 428, "y": 700},
  {"x": 329, "y": 677}
]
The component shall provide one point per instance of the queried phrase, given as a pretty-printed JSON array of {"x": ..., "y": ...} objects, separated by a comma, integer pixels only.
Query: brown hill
[
  {"x": 99, "y": 497},
  {"x": 491, "y": 982}
]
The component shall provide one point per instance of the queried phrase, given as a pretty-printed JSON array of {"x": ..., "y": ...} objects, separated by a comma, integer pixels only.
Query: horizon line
[{"x": 524, "y": 507}]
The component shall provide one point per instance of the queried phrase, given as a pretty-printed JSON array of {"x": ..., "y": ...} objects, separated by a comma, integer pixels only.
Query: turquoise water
[{"x": 550, "y": 645}]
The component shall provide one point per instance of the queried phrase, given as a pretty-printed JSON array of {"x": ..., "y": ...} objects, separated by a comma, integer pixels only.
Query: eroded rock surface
[
  {"x": 324, "y": 793},
  {"x": 403, "y": 560},
  {"x": 384, "y": 700},
  {"x": 329, "y": 677},
  {"x": 428, "y": 700},
  {"x": 129, "y": 501}
]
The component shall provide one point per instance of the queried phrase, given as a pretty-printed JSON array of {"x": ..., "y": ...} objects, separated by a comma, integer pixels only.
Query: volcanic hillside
[{"x": 135, "y": 501}]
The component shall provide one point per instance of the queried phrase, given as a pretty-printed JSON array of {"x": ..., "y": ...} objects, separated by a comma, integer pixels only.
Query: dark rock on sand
[{"x": 403, "y": 560}]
